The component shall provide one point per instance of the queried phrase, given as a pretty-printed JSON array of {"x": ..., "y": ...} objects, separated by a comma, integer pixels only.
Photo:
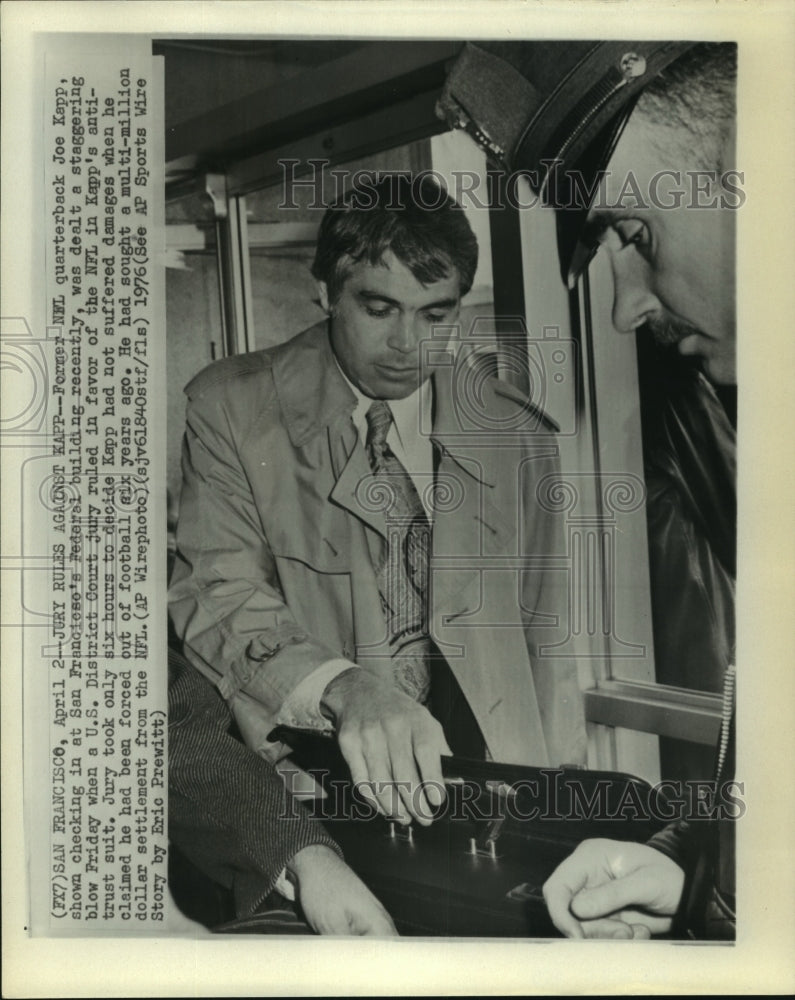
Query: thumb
[{"x": 632, "y": 890}]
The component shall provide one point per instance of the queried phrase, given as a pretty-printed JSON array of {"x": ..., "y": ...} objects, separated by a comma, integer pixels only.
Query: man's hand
[
  {"x": 334, "y": 900},
  {"x": 390, "y": 743},
  {"x": 613, "y": 889}
]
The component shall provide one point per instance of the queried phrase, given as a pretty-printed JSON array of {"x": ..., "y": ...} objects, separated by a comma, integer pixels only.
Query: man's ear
[{"x": 322, "y": 292}]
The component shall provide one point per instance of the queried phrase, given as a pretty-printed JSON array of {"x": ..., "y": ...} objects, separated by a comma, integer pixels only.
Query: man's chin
[
  {"x": 396, "y": 384},
  {"x": 393, "y": 393},
  {"x": 720, "y": 368},
  {"x": 721, "y": 371}
]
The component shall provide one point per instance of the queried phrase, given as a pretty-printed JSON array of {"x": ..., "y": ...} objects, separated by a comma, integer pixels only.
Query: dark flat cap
[{"x": 552, "y": 110}]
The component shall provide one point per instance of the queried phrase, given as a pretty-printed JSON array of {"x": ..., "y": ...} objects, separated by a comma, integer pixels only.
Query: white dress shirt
[{"x": 407, "y": 436}]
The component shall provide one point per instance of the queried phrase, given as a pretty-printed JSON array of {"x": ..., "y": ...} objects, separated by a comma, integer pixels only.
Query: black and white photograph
[{"x": 377, "y": 559}]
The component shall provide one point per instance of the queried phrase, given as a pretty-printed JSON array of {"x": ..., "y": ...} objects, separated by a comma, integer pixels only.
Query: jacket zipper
[{"x": 727, "y": 708}]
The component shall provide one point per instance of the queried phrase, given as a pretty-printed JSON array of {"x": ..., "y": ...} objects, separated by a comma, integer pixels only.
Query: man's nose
[
  {"x": 403, "y": 336},
  {"x": 633, "y": 299}
]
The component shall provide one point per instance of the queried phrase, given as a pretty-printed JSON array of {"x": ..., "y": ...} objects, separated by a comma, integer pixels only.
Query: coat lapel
[
  {"x": 311, "y": 389},
  {"x": 353, "y": 489},
  {"x": 315, "y": 399},
  {"x": 475, "y": 615},
  {"x": 470, "y": 522}
]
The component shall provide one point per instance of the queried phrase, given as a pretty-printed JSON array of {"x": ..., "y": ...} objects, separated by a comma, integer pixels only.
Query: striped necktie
[{"x": 403, "y": 576}]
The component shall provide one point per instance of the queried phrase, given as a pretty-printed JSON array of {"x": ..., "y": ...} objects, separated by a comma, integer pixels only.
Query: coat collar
[
  {"x": 313, "y": 394},
  {"x": 448, "y": 434},
  {"x": 310, "y": 386}
]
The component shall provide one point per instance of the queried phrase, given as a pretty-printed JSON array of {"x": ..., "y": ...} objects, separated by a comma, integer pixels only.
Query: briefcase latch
[
  {"x": 485, "y": 844},
  {"x": 396, "y": 831}
]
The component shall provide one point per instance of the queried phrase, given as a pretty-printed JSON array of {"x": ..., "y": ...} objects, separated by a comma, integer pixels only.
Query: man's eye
[
  {"x": 435, "y": 317},
  {"x": 634, "y": 233},
  {"x": 378, "y": 313}
]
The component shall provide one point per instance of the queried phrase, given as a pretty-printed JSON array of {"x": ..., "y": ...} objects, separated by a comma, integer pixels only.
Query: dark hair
[
  {"x": 695, "y": 97},
  {"x": 413, "y": 216}
]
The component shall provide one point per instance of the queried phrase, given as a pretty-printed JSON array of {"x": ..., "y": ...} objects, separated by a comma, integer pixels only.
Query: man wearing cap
[{"x": 633, "y": 144}]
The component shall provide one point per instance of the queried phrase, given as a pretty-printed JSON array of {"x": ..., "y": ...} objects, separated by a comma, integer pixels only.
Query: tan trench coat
[{"x": 277, "y": 539}]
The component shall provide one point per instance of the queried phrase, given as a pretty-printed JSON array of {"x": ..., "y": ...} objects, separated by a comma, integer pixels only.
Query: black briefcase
[{"x": 478, "y": 869}]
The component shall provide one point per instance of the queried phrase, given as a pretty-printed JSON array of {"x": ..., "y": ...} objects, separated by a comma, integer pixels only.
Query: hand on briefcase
[{"x": 478, "y": 868}]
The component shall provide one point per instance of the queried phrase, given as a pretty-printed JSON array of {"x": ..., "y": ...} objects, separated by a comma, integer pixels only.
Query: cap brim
[{"x": 573, "y": 189}]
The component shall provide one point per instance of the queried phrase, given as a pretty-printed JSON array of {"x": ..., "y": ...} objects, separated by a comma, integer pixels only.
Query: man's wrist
[
  {"x": 334, "y": 694},
  {"x": 301, "y": 708},
  {"x": 307, "y": 857}
]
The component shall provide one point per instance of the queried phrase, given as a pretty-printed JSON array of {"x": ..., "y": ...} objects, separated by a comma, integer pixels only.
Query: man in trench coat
[{"x": 275, "y": 592}]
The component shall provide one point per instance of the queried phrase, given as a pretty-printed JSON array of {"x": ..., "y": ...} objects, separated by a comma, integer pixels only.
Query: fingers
[
  {"x": 371, "y": 921},
  {"x": 607, "y": 928},
  {"x": 612, "y": 896},
  {"x": 355, "y": 912},
  {"x": 407, "y": 782},
  {"x": 364, "y": 914},
  {"x": 558, "y": 900},
  {"x": 360, "y": 774},
  {"x": 395, "y": 761},
  {"x": 334, "y": 899},
  {"x": 643, "y": 924},
  {"x": 428, "y": 749},
  {"x": 361, "y": 919},
  {"x": 369, "y": 773},
  {"x": 351, "y": 749},
  {"x": 417, "y": 766},
  {"x": 389, "y": 794},
  {"x": 559, "y": 890},
  {"x": 613, "y": 889},
  {"x": 621, "y": 927}
]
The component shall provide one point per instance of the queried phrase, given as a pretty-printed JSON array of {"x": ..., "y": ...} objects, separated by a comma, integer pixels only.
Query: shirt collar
[{"x": 411, "y": 415}]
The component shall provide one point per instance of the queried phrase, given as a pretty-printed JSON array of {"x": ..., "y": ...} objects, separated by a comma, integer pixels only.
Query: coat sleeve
[
  {"x": 229, "y": 811},
  {"x": 225, "y": 599}
]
